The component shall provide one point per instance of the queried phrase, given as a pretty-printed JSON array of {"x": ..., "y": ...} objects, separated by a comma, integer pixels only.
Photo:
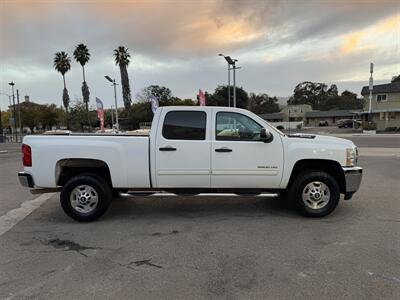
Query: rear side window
[{"x": 185, "y": 125}]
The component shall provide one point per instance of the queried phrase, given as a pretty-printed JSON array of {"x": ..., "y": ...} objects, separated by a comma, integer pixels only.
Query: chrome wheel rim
[
  {"x": 316, "y": 195},
  {"x": 84, "y": 199}
]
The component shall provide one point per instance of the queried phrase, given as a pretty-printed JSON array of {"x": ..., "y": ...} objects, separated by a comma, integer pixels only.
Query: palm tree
[
  {"x": 62, "y": 64},
  {"x": 122, "y": 60},
  {"x": 82, "y": 56}
]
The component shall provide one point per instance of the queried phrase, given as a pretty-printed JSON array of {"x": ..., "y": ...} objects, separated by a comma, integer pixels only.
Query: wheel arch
[
  {"x": 67, "y": 168},
  {"x": 331, "y": 167}
]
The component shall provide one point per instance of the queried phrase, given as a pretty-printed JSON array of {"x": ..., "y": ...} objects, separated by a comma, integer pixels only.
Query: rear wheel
[
  {"x": 315, "y": 193},
  {"x": 85, "y": 197}
]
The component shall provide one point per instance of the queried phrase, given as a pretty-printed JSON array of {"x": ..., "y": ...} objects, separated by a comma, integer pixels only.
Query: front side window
[
  {"x": 236, "y": 127},
  {"x": 185, "y": 125}
]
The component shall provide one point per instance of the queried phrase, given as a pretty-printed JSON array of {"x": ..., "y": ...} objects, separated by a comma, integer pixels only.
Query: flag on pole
[
  {"x": 154, "y": 103},
  {"x": 202, "y": 98},
  {"x": 100, "y": 113}
]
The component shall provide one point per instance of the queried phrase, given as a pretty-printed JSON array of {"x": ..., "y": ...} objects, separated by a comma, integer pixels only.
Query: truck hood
[
  {"x": 335, "y": 141},
  {"x": 324, "y": 139}
]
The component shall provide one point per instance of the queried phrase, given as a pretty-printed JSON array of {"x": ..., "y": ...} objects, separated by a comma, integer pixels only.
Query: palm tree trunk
[
  {"x": 86, "y": 100},
  {"x": 88, "y": 118},
  {"x": 83, "y": 71},
  {"x": 126, "y": 90},
  {"x": 66, "y": 106}
]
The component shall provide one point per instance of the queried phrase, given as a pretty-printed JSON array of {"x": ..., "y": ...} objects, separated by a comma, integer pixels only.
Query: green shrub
[{"x": 299, "y": 126}]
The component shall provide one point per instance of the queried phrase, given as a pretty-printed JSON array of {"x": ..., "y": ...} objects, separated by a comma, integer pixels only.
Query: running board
[{"x": 165, "y": 194}]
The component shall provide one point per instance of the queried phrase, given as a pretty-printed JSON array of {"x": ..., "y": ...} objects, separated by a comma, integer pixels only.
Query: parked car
[
  {"x": 348, "y": 123},
  {"x": 323, "y": 123},
  {"x": 192, "y": 150}
]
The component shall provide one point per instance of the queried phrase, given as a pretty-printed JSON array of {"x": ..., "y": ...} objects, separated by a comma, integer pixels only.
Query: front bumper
[
  {"x": 352, "y": 176},
  {"x": 25, "y": 179}
]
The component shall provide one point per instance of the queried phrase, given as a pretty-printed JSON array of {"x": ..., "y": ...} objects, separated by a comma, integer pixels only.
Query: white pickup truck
[{"x": 193, "y": 150}]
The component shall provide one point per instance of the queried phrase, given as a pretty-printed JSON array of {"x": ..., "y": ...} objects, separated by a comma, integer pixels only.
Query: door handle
[
  {"x": 168, "y": 148},
  {"x": 224, "y": 149}
]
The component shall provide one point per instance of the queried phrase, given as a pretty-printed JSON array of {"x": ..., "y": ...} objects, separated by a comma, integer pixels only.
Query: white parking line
[{"x": 13, "y": 217}]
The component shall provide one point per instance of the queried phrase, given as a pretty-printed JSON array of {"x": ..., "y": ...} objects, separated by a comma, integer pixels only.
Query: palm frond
[
  {"x": 122, "y": 56},
  {"x": 81, "y": 54},
  {"x": 62, "y": 62}
]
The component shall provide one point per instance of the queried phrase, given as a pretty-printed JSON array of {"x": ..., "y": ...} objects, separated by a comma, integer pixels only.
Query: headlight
[{"x": 351, "y": 156}]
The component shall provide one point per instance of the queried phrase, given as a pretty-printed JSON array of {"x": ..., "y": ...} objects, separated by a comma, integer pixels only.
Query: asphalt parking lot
[{"x": 208, "y": 248}]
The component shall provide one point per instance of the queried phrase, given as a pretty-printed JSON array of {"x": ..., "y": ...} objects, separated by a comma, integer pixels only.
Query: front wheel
[
  {"x": 315, "y": 193},
  {"x": 85, "y": 197}
]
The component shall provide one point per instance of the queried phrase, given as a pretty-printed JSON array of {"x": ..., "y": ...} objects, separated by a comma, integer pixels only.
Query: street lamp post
[
  {"x": 234, "y": 81},
  {"x": 19, "y": 116},
  {"x": 231, "y": 66},
  {"x": 115, "y": 98},
  {"x": 228, "y": 59},
  {"x": 112, "y": 116},
  {"x": 14, "y": 114}
]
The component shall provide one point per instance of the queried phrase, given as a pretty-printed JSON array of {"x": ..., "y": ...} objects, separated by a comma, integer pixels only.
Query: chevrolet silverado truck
[{"x": 191, "y": 151}]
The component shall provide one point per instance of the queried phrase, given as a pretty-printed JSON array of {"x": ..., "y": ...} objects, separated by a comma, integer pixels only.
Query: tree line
[
  {"x": 322, "y": 97},
  {"x": 81, "y": 116}
]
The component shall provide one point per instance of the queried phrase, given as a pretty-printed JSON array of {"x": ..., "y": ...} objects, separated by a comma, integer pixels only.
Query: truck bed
[{"x": 126, "y": 156}]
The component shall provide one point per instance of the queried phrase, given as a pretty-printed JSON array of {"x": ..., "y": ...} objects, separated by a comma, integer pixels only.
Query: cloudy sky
[{"x": 176, "y": 43}]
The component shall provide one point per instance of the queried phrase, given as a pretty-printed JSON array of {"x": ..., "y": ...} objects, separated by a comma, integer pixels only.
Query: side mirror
[{"x": 266, "y": 136}]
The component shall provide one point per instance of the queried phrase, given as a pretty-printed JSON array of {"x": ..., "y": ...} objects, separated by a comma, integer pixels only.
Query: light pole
[
  {"x": 112, "y": 117},
  {"x": 14, "y": 114},
  {"x": 231, "y": 66},
  {"x": 228, "y": 60},
  {"x": 371, "y": 87},
  {"x": 19, "y": 116},
  {"x": 234, "y": 81},
  {"x": 115, "y": 98}
]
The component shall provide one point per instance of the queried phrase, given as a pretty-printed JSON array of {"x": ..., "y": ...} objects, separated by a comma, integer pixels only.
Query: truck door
[
  {"x": 183, "y": 149},
  {"x": 238, "y": 158}
]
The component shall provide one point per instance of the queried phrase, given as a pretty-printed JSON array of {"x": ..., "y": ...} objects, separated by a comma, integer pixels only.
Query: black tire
[
  {"x": 98, "y": 184},
  {"x": 298, "y": 186}
]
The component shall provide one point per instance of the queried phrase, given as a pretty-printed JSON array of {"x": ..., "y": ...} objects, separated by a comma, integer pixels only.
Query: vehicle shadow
[{"x": 198, "y": 207}]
